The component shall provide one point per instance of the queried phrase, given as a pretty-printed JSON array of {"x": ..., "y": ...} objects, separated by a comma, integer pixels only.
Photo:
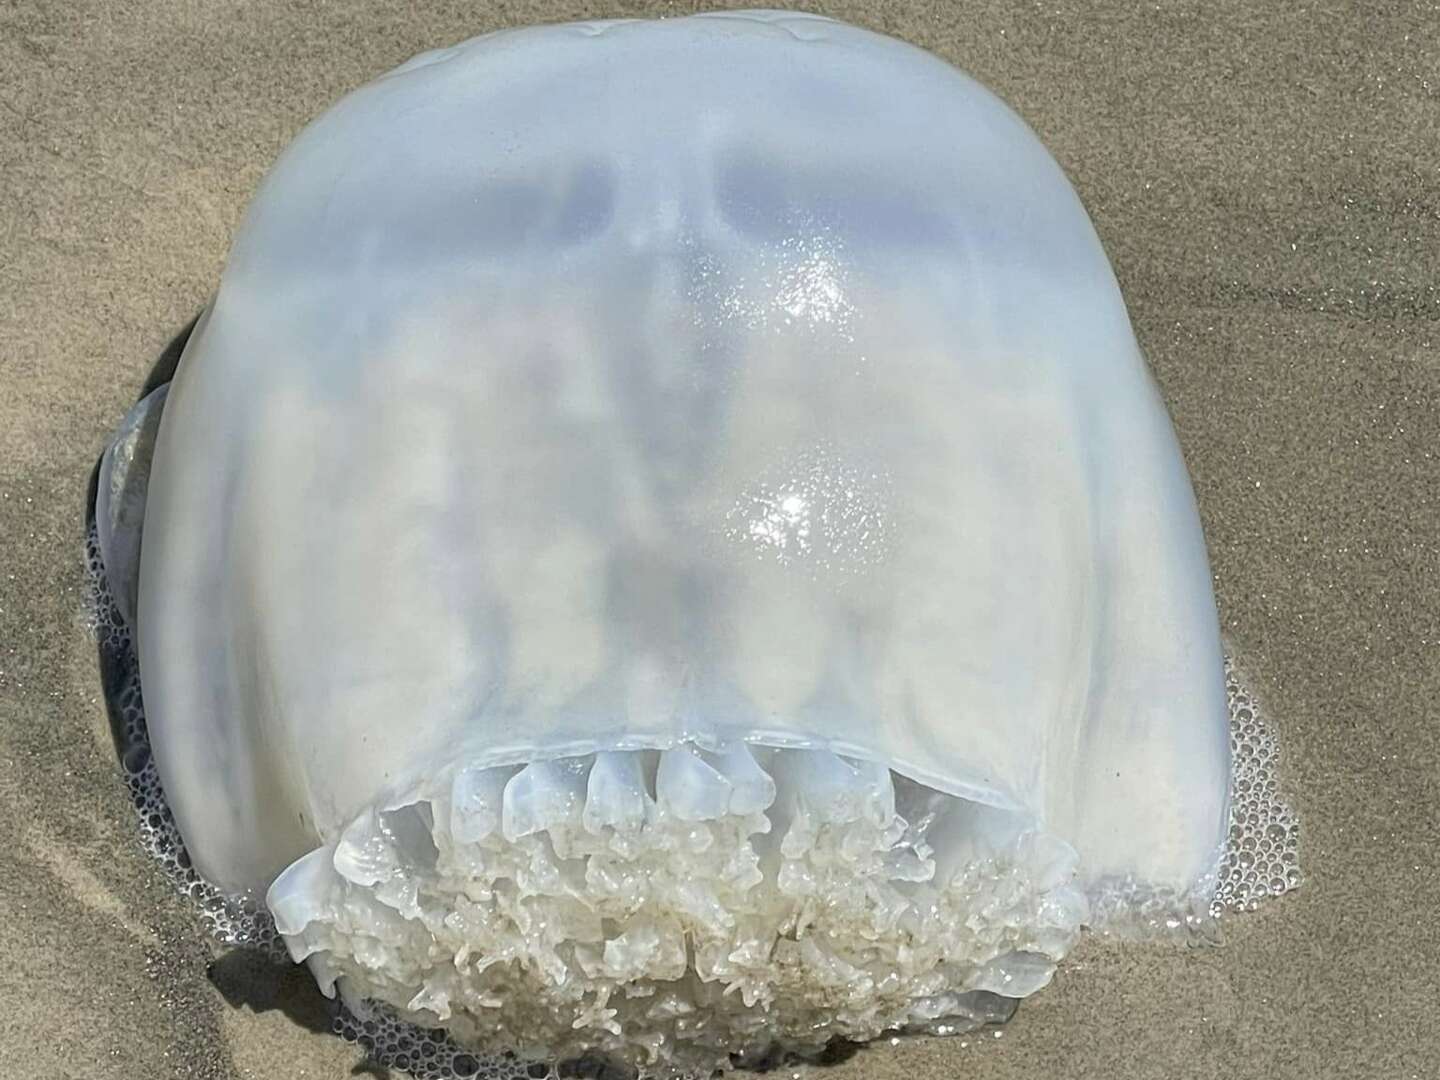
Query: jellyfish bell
[{"x": 664, "y": 543}]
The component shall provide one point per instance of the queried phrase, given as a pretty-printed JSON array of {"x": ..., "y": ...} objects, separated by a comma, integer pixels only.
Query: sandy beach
[{"x": 1266, "y": 180}]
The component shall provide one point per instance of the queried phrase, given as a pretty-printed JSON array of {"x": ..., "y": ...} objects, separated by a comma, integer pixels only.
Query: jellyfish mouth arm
[{"x": 593, "y": 903}]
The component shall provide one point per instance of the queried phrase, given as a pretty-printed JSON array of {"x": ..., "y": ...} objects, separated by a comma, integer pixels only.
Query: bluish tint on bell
[{"x": 616, "y": 443}]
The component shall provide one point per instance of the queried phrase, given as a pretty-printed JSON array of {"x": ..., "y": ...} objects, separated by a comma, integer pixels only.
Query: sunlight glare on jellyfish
[{"x": 664, "y": 545}]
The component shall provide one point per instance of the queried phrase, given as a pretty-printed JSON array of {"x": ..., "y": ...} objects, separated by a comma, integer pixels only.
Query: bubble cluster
[
  {"x": 102, "y": 617},
  {"x": 430, "y": 1054},
  {"x": 1261, "y": 857}
]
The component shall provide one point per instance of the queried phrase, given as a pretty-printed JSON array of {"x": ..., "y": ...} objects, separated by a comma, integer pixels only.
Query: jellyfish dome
[{"x": 664, "y": 544}]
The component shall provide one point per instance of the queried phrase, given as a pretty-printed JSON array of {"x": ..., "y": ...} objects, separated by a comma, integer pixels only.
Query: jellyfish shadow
[
  {"x": 251, "y": 979},
  {"x": 116, "y": 658}
]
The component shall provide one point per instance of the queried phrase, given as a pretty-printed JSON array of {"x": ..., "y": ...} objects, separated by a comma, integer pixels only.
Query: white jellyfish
[{"x": 664, "y": 544}]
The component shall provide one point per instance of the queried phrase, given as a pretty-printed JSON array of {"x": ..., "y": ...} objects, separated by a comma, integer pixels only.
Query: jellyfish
[{"x": 664, "y": 544}]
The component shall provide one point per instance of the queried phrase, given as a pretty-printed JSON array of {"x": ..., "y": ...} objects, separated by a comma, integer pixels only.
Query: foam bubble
[{"x": 1262, "y": 857}]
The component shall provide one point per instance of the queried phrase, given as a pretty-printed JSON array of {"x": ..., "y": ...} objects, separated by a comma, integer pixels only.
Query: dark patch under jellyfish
[{"x": 664, "y": 546}]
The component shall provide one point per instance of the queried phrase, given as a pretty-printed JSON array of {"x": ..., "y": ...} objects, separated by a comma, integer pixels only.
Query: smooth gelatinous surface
[
  {"x": 1260, "y": 862},
  {"x": 627, "y": 387}
]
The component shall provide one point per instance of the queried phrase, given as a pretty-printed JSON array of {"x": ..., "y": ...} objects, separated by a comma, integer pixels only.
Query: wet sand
[{"x": 1266, "y": 185}]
